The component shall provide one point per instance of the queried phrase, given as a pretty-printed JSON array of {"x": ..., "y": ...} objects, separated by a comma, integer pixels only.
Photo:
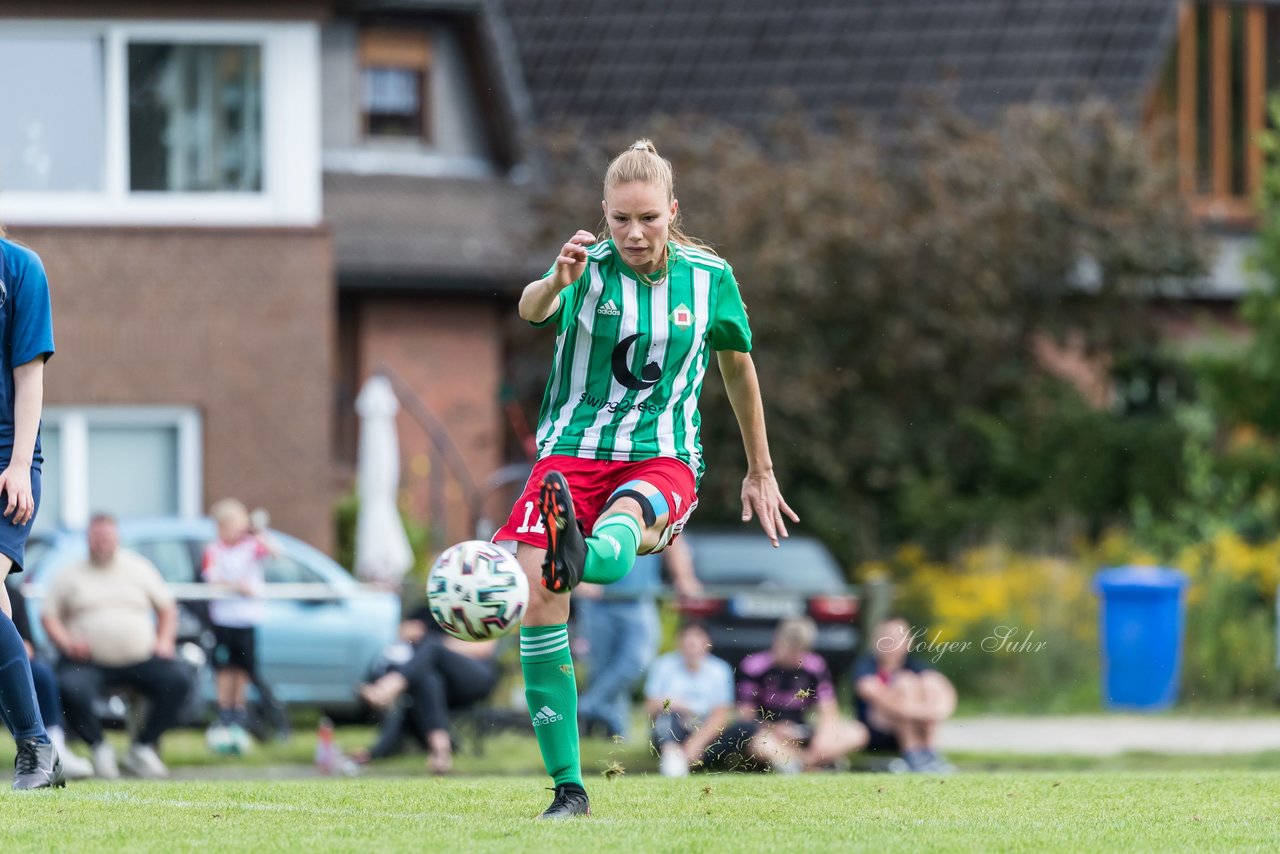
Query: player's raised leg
[
  {"x": 550, "y": 687},
  {"x": 36, "y": 765},
  {"x": 636, "y": 519}
]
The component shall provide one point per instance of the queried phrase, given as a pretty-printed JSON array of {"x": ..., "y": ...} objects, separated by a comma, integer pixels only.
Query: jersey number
[{"x": 538, "y": 527}]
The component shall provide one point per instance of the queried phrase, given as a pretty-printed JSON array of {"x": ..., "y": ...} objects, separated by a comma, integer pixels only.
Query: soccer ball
[{"x": 477, "y": 591}]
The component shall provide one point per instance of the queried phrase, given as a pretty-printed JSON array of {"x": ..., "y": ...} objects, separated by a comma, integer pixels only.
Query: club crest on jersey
[
  {"x": 681, "y": 316},
  {"x": 4, "y": 293}
]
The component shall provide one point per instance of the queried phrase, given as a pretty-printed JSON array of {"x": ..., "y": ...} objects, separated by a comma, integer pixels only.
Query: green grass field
[
  {"x": 1117, "y": 811},
  {"x": 1126, "y": 803}
]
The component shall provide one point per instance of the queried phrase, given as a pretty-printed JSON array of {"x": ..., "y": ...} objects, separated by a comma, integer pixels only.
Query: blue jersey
[{"x": 26, "y": 328}]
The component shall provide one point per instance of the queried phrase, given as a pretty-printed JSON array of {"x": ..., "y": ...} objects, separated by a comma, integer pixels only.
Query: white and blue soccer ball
[{"x": 477, "y": 591}]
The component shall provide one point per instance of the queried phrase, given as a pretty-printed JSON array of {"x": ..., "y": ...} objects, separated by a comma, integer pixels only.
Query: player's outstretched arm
[
  {"x": 539, "y": 300},
  {"x": 761, "y": 497}
]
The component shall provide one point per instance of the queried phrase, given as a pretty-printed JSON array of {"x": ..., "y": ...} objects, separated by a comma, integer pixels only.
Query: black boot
[{"x": 570, "y": 801}]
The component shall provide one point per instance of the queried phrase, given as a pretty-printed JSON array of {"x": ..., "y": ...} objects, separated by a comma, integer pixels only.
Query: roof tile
[{"x": 604, "y": 62}]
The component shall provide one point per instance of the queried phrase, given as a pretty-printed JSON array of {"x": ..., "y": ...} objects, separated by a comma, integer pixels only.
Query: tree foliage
[
  {"x": 1238, "y": 485},
  {"x": 896, "y": 280}
]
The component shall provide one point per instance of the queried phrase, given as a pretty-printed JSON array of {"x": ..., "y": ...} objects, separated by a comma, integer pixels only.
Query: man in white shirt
[
  {"x": 689, "y": 696},
  {"x": 114, "y": 621}
]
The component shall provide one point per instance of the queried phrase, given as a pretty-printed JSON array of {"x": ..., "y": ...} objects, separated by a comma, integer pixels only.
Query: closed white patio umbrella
[{"x": 383, "y": 555}]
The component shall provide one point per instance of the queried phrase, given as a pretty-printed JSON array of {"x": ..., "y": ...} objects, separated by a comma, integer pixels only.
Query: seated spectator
[
  {"x": 114, "y": 622},
  {"x": 689, "y": 697},
  {"x": 789, "y": 717},
  {"x": 439, "y": 673},
  {"x": 46, "y": 685},
  {"x": 901, "y": 700},
  {"x": 620, "y": 625}
]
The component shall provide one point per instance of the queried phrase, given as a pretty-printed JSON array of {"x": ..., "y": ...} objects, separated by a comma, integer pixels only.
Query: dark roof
[
  {"x": 440, "y": 233},
  {"x": 608, "y": 63}
]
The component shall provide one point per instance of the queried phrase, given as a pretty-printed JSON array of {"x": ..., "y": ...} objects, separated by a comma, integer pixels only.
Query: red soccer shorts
[{"x": 591, "y": 482}]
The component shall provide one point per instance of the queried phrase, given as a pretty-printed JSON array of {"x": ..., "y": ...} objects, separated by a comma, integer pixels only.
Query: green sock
[
  {"x": 611, "y": 549},
  {"x": 552, "y": 694}
]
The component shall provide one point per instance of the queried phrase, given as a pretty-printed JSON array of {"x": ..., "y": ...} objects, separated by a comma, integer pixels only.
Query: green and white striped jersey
[{"x": 630, "y": 358}]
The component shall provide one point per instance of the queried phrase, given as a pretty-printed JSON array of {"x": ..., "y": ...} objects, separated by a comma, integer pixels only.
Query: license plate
[{"x": 765, "y": 607}]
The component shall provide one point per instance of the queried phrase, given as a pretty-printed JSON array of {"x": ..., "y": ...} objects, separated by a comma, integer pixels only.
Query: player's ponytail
[{"x": 642, "y": 162}]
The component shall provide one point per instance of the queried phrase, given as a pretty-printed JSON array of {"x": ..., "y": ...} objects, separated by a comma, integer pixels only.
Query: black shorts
[
  {"x": 237, "y": 646},
  {"x": 13, "y": 538}
]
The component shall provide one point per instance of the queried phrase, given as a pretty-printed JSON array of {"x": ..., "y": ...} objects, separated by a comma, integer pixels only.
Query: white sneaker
[
  {"x": 673, "y": 762},
  {"x": 104, "y": 762},
  {"x": 75, "y": 767},
  {"x": 142, "y": 761}
]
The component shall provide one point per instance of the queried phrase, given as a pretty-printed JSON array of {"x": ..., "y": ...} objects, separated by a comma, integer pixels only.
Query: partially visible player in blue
[{"x": 26, "y": 343}]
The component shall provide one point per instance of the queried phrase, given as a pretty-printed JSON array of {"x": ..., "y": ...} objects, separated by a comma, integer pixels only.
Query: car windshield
[{"x": 797, "y": 564}]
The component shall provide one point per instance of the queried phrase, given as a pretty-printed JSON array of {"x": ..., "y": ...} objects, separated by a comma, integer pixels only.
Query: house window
[
  {"x": 129, "y": 461},
  {"x": 1219, "y": 82},
  {"x": 395, "y": 83},
  {"x": 180, "y": 122},
  {"x": 52, "y": 136},
  {"x": 195, "y": 117}
]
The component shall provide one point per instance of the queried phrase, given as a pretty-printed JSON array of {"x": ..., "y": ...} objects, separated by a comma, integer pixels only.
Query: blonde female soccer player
[{"x": 637, "y": 313}]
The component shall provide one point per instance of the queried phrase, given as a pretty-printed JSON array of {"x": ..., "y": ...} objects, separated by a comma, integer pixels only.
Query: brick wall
[
  {"x": 237, "y": 323},
  {"x": 450, "y": 351}
]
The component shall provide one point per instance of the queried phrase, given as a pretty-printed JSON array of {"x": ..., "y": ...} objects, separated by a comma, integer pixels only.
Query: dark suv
[{"x": 748, "y": 586}]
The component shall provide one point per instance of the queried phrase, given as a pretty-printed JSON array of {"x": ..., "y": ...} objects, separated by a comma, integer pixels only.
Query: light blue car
[{"x": 323, "y": 629}]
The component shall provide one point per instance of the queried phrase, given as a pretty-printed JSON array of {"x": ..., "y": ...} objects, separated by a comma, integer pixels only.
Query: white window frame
[
  {"x": 73, "y": 424},
  {"x": 291, "y": 171}
]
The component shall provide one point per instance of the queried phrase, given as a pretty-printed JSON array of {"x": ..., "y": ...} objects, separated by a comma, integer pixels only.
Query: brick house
[
  {"x": 425, "y": 197},
  {"x": 244, "y": 209},
  {"x": 167, "y": 169}
]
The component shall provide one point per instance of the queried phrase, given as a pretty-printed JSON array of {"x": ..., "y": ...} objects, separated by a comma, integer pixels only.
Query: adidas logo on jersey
[
  {"x": 546, "y": 715},
  {"x": 609, "y": 309}
]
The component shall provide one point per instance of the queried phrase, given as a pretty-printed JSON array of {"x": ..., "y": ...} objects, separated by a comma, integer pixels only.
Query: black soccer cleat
[
  {"x": 37, "y": 766},
  {"x": 570, "y": 801},
  {"x": 566, "y": 546}
]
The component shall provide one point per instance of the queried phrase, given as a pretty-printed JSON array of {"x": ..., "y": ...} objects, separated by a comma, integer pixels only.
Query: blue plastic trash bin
[{"x": 1141, "y": 626}]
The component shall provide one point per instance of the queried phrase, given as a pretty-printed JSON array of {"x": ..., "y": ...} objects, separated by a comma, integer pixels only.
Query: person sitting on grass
[
  {"x": 901, "y": 700},
  {"x": 689, "y": 696},
  {"x": 416, "y": 693},
  {"x": 778, "y": 690}
]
